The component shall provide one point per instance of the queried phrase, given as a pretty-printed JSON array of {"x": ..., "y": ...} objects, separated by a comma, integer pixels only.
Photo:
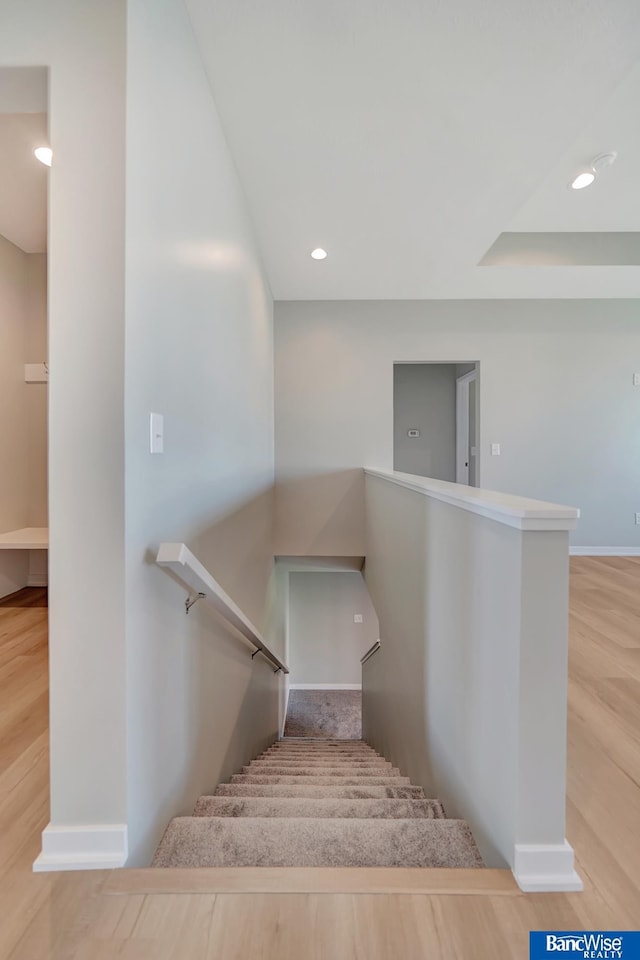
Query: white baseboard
[
  {"x": 94, "y": 847},
  {"x": 545, "y": 868},
  {"x": 325, "y": 686},
  {"x": 604, "y": 551},
  {"x": 37, "y": 580}
]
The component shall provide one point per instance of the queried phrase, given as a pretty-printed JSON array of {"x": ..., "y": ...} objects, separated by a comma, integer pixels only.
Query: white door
[{"x": 463, "y": 427}]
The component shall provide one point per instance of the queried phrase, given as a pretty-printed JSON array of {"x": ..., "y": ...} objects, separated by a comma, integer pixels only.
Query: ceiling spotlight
[
  {"x": 44, "y": 155},
  {"x": 586, "y": 177},
  {"x": 319, "y": 254}
]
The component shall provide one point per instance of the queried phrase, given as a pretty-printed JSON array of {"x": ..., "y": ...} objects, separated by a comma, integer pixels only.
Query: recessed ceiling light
[
  {"x": 44, "y": 155},
  {"x": 319, "y": 254},
  {"x": 584, "y": 179}
]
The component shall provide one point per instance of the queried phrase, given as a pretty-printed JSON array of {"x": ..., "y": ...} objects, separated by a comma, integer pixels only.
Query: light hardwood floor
[{"x": 135, "y": 915}]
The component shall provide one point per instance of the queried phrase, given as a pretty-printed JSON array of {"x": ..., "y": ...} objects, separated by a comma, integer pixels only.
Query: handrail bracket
[{"x": 191, "y": 599}]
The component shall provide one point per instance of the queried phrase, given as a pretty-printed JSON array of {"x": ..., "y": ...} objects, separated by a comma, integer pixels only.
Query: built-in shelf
[{"x": 27, "y": 538}]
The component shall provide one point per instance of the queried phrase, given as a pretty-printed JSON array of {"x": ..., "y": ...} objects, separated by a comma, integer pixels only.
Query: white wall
[
  {"x": 199, "y": 350},
  {"x": 424, "y": 398},
  {"x": 14, "y": 420},
  {"x": 83, "y": 45},
  {"x": 325, "y": 644},
  {"x": 555, "y": 391},
  {"x": 36, "y": 350}
]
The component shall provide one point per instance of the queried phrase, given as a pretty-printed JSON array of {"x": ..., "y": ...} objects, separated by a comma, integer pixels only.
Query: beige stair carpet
[
  {"x": 317, "y": 807},
  {"x": 314, "y": 803},
  {"x": 324, "y": 713},
  {"x": 376, "y": 791}
]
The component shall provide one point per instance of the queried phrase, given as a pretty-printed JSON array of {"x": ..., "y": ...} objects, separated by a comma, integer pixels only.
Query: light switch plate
[
  {"x": 357, "y": 618},
  {"x": 636, "y": 379},
  {"x": 495, "y": 449},
  {"x": 156, "y": 433}
]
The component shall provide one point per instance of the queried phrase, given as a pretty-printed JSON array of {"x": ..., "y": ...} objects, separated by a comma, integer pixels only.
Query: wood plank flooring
[{"x": 133, "y": 916}]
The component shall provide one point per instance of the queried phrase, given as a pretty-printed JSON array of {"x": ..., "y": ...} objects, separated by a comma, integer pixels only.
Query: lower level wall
[{"x": 326, "y": 644}]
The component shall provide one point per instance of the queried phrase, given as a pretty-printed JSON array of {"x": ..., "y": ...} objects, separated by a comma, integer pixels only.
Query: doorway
[
  {"x": 23, "y": 332},
  {"x": 435, "y": 420},
  {"x": 466, "y": 446}
]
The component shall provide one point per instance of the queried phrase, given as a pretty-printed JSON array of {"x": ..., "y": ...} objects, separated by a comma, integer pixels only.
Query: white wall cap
[{"x": 519, "y": 512}]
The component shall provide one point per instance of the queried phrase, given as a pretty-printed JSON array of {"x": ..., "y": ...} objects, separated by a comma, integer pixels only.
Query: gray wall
[
  {"x": 14, "y": 419},
  {"x": 325, "y": 644},
  {"x": 555, "y": 391},
  {"x": 199, "y": 349},
  {"x": 469, "y": 698},
  {"x": 23, "y": 408},
  {"x": 424, "y": 398}
]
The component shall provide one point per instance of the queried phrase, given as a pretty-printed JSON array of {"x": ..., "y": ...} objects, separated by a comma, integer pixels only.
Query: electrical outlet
[
  {"x": 636, "y": 379},
  {"x": 638, "y": 517},
  {"x": 357, "y": 617}
]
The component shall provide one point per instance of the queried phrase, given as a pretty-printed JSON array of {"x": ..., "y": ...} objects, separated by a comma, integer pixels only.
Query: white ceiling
[
  {"x": 23, "y": 181},
  {"x": 404, "y": 136}
]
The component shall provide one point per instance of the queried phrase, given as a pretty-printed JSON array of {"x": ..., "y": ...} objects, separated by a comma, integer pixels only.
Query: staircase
[{"x": 318, "y": 803}]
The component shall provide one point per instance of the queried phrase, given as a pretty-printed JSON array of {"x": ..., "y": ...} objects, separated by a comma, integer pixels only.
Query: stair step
[
  {"x": 320, "y": 771},
  {"x": 309, "y": 745},
  {"x": 336, "y": 754},
  {"x": 311, "y": 842},
  {"x": 319, "y": 742},
  {"x": 319, "y": 780},
  {"x": 369, "y": 792},
  {"x": 327, "y": 761},
  {"x": 321, "y": 808}
]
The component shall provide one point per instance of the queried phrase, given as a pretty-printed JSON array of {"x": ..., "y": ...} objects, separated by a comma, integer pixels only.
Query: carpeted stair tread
[
  {"x": 304, "y": 771},
  {"x": 322, "y": 752},
  {"x": 320, "y": 780},
  {"x": 324, "y": 713},
  {"x": 319, "y": 746},
  {"x": 312, "y": 842},
  {"x": 328, "y": 761},
  {"x": 322, "y": 808},
  {"x": 326, "y": 743},
  {"x": 345, "y": 754},
  {"x": 315, "y": 790}
]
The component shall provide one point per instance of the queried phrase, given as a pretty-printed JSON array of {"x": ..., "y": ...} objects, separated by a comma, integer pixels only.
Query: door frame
[{"x": 463, "y": 426}]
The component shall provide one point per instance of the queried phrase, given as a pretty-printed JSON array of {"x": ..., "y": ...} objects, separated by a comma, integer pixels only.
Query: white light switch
[
  {"x": 156, "y": 433},
  {"x": 357, "y": 618},
  {"x": 636, "y": 379},
  {"x": 495, "y": 449}
]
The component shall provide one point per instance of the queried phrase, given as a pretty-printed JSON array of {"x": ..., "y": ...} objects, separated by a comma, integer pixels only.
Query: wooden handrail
[
  {"x": 178, "y": 558},
  {"x": 370, "y": 652}
]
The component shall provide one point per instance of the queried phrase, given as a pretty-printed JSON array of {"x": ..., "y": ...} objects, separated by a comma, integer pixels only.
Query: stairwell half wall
[{"x": 468, "y": 691}]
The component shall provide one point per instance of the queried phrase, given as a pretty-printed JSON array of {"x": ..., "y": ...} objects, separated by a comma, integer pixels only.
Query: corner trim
[
  {"x": 545, "y": 868},
  {"x": 325, "y": 686},
  {"x": 92, "y": 847},
  {"x": 604, "y": 551}
]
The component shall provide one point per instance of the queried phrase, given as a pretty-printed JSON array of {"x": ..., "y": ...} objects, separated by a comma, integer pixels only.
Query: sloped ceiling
[{"x": 405, "y": 136}]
